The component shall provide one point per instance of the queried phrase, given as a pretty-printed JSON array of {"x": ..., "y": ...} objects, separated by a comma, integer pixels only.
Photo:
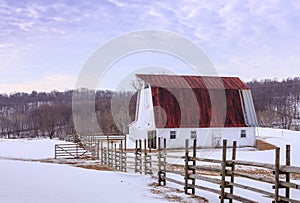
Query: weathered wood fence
[
  {"x": 92, "y": 142},
  {"x": 222, "y": 173}
]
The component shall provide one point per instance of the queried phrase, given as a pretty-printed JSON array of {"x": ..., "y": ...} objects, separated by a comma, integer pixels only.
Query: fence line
[{"x": 143, "y": 160}]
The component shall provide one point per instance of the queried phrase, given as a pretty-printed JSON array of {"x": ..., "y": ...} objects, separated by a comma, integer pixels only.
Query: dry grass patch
[
  {"x": 95, "y": 167},
  {"x": 175, "y": 195},
  {"x": 263, "y": 145}
]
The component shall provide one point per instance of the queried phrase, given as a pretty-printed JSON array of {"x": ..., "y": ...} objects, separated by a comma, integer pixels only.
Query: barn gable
[{"x": 171, "y": 97}]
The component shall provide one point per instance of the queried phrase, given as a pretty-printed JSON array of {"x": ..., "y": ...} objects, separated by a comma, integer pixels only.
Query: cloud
[
  {"x": 45, "y": 83},
  {"x": 248, "y": 39}
]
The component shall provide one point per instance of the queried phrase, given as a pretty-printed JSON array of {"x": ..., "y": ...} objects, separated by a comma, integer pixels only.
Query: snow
[
  {"x": 40, "y": 182},
  {"x": 27, "y": 181},
  {"x": 28, "y": 148},
  {"x": 281, "y": 138}
]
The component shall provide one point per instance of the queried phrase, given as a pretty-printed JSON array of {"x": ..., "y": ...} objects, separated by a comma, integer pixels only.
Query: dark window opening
[
  {"x": 243, "y": 134},
  {"x": 172, "y": 134}
]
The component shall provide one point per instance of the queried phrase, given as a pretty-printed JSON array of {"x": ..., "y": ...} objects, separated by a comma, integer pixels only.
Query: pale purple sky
[{"x": 44, "y": 44}]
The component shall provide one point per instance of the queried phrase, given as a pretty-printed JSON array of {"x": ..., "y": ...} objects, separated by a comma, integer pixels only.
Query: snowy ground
[
  {"x": 28, "y": 148},
  {"x": 28, "y": 181}
]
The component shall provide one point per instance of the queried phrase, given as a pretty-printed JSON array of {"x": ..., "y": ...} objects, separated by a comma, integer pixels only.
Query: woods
[
  {"x": 44, "y": 114},
  {"x": 277, "y": 103},
  {"x": 50, "y": 114}
]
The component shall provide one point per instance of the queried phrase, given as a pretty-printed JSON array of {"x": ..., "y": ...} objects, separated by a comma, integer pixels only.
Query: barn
[{"x": 205, "y": 108}]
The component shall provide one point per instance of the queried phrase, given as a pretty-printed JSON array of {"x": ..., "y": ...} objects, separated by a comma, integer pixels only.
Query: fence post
[
  {"x": 145, "y": 157},
  {"x": 115, "y": 156},
  {"x": 232, "y": 168},
  {"x": 223, "y": 180},
  {"x": 101, "y": 149},
  {"x": 164, "y": 160},
  {"x": 76, "y": 150},
  {"x": 147, "y": 160},
  {"x": 112, "y": 153},
  {"x": 125, "y": 143},
  {"x": 135, "y": 160},
  {"x": 277, "y": 172},
  {"x": 122, "y": 158},
  {"x": 288, "y": 175},
  {"x": 159, "y": 163},
  {"x": 186, "y": 160},
  {"x": 194, "y": 166},
  {"x": 55, "y": 151},
  {"x": 161, "y": 166},
  {"x": 121, "y": 155},
  {"x": 138, "y": 159},
  {"x": 105, "y": 154},
  {"x": 108, "y": 153},
  {"x": 98, "y": 148}
]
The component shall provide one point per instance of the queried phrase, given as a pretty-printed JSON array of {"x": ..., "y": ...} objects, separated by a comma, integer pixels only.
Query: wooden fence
[
  {"x": 223, "y": 172},
  {"x": 92, "y": 142}
]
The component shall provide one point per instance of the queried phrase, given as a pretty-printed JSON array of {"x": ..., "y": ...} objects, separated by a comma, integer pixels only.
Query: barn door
[
  {"x": 152, "y": 139},
  {"x": 216, "y": 137}
]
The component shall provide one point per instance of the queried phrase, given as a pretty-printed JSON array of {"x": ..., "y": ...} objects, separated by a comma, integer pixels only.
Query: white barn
[{"x": 205, "y": 108}]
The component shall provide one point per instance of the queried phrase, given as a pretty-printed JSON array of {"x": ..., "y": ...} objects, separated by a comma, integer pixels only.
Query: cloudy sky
[{"x": 44, "y": 44}]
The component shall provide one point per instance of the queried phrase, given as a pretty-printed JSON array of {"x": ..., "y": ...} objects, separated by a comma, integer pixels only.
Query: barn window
[
  {"x": 194, "y": 134},
  {"x": 243, "y": 133},
  {"x": 172, "y": 134}
]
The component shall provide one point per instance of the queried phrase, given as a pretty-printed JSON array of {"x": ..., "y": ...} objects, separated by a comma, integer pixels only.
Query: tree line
[
  {"x": 50, "y": 114},
  {"x": 41, "y": 114},
  {"x": 277, "y": 103}
]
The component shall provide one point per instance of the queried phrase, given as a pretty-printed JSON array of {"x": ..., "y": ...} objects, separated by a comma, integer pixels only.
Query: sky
[{"x": 45, "y": 44}]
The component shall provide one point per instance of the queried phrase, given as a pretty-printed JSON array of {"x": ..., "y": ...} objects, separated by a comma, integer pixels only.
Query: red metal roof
[
  {"x": 184, "y": 81},
  {"x": 172, "y": 98}
]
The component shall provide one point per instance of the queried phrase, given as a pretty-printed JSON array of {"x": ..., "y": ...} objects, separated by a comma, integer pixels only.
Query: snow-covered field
[
  {"x": 35, "y": 182},
  {"x": 22, "y": 180},
  {"x": 28, "y": 148}
]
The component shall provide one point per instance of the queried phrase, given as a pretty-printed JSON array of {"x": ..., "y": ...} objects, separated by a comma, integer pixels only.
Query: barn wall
[{"x": 209, "y": 137}]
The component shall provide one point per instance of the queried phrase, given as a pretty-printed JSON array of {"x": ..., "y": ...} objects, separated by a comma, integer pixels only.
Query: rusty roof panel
[{"x": 172, "y": 109}]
